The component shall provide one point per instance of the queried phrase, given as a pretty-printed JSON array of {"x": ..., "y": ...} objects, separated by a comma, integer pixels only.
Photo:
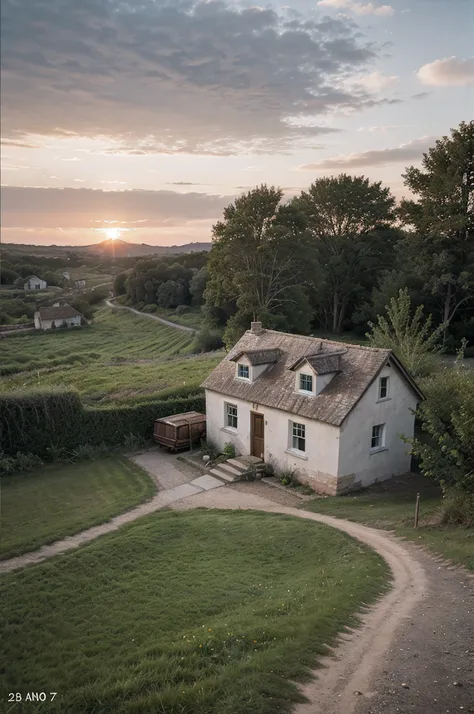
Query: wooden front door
[{"x": 257, "y": 430}]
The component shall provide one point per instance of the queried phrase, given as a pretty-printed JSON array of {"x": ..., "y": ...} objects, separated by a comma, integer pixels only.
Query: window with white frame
[
  {"x": 378, "y": 436},
  {"x": 306, "y": 383},
  {"x": 243, "y": 371},
  {"x": 231, "y": 415},
  {"x": 298, "y": 436},
  {"x": 383, "y": 387}
]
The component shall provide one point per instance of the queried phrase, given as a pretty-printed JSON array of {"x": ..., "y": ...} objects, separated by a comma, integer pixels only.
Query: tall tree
[
  {"x": 258, "y": 260},
  {"x": 349, "y": 220},
  {"x": 441, "y": 247}
]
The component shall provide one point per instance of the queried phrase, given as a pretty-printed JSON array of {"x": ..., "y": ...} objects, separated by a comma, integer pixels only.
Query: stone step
[
  {"x": 219, "y": 473},
  {"x": 237, "y": 464},
  {"x": 232, "y": 470}
]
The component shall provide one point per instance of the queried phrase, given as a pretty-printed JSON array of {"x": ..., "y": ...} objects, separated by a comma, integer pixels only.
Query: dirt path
[
  {"x": 415, "y": 650},
  {"x": 109, "y": 303},
  {"x": 413, "y": 654}
]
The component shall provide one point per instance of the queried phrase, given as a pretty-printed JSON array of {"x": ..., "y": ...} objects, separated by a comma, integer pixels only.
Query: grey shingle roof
[
  {"x": 275, "y": 387},
  {"x": 61, "y": 312},
  {"x": 256, "y": 357}
]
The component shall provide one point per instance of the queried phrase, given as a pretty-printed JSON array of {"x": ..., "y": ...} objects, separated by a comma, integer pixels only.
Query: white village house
[
  {"x": 34, "y": 283},
  {"x": 47, "y": 318},
  {"x": 330, "y": 411}
]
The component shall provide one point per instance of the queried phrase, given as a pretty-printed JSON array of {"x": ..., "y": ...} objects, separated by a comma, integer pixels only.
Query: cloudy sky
[{"x": 143, "y": 120}]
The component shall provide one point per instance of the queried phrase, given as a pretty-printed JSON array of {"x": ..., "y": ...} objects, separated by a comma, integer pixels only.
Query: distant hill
[{"x": 118, "y": 248}]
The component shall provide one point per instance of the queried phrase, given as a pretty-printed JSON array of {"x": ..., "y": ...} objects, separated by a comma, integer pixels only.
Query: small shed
[{"x": 175, "y": 431}]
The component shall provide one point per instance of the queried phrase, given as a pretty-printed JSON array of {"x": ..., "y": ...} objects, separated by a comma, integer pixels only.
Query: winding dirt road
[
  {"x": 414, "y": 650},
  {"x": 109, "y": 303}
]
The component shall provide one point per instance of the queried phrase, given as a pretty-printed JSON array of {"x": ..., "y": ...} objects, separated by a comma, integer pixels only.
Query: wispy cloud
[
  {"x": 411, "y": 151},
  {"x": 359, "y": 8}
]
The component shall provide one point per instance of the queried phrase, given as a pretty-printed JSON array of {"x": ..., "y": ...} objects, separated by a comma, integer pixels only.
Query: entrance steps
[{"x": 235, "y": 469}]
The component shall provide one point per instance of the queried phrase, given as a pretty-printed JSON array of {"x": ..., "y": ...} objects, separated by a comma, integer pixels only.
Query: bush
[
  {"x": 210, "y": 449},
  {"x": 88, "y": 452},
  {"x": 208, "y": 339},
  {"x": 52, "y": 424},
  {"x": 229, "y": 450},
  {"x": 458, "y": 509},
  {"x": 18, "y": 463},
  {"x": 182, "y": 309},
  {"x": 150, "y": 308}
]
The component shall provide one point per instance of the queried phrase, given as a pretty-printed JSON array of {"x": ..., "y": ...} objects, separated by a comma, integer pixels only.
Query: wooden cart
[{"x": 179, "y": 431}]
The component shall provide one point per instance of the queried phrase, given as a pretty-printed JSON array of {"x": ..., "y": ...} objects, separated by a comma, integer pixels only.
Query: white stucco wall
[
  {"x": 35, "y": 284},
  {"x": 355, "y": 455},
  {"x": 318, "y": 467},
  {"x": 47, "y": 324}
]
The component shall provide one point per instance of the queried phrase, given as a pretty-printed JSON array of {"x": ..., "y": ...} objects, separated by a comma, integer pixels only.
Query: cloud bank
[
  {"x": 187, "y": 76},
  {"x": 451, "y": 71}
]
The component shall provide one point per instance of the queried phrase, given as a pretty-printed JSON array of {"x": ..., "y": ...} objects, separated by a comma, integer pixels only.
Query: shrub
[
  {"x": 458, "y": 509},
  {"x": 229, "y": 450},
  {"x": 51, "y": 425},
  {"x": 18, "y": 463},
  {"x": 209, "y": 448},
  {"x": 149, "y": 308},
  {"x": 208, "y": 339},
  {"x": 182, "y": 309},
  {"x": 287, "y": 477}
]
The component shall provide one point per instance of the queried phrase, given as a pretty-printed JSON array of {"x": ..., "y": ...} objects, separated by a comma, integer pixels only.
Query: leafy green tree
[
  {"x": 349, "y": 220},
  {"x": 447, "y": 416},
  {"x": 119, "y": 284},
  {"x": 198, "y": 285},
  {"x": 258, "y": 261},
  {"x": 410, "y": 336},
  {"x": 441, "y": 248}
]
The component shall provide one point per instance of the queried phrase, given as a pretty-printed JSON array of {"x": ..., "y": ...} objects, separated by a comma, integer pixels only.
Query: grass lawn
[
  {"x": 192, "y": 318},
  {"x": 120, "y": 358},
  {"x": 185, "y": 613},
  {"x": 392, "y": 506},
  {"x": 43, "y": 506}
]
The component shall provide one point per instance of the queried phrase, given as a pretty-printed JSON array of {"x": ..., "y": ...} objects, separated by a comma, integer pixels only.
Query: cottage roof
[
  {"x": 275, "y": 387},
  {"x": 31, "y": 277},
  {"x": 181, "y": 419},
  {"x": 58, "y": 312},
  {"x": 256, "y": 357}
]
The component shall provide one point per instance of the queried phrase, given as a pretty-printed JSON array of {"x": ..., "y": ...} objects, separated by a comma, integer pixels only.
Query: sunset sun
[{"x": 112, "y": 233}]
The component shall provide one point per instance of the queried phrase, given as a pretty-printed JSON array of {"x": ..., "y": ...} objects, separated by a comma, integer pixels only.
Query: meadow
[
  {"x": 260, "y": 597},
  {"x": 60, "y": 500},
  {"x": 119, "y": 358}
]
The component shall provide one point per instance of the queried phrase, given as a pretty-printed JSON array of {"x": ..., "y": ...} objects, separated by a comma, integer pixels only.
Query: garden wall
[{"x": 47, "y": 424}]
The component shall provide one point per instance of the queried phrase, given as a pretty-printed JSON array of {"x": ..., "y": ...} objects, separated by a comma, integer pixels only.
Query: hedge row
[{"x": 48, "y": 423}]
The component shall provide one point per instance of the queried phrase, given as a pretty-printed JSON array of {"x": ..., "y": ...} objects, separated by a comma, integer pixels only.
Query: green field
[
  {"x": 185, "y": 613},
  {"x": 51, "y": 503},
  {"x": 121, "y": 357},
  {"x": 391, "y": 506}
]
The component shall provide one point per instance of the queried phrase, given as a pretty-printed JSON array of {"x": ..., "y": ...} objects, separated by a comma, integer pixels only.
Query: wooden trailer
[{"x": 174, "y": 431}]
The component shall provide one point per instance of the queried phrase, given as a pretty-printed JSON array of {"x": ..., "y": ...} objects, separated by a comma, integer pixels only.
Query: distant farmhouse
[
  {"x": 48, "y": 318},
  {"x": 329, "y": 411},
  {"x": 34, "y": 283},
  {"x": 80, "y": 284}
]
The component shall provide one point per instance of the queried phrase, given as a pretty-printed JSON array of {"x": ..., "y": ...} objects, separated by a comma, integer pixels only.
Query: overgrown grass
[
  {"x": 191, "y": 318},
  {"x": 56, "y": 501},
  {"x": 185, "y": 613},
  {"x": 392, "y": 506},
  {"x": 121, "y": 357}
]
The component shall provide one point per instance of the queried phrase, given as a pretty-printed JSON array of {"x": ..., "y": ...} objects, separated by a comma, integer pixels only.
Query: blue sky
[{"x": 146, "y": 120}]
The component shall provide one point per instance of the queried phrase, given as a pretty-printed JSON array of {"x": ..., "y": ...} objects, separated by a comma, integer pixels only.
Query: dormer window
[
  {"x": 243, "y": 371},
  {"x": 306, "y": 383},
  {"x": 383, "y": 387}
]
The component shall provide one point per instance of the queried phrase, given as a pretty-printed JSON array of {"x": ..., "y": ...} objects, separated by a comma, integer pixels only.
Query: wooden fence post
[{"x": 417, "y": 510}]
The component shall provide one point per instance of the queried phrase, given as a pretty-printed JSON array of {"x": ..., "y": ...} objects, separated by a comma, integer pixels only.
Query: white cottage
[
  {"x": 48, "y": 318},
  {"x": 330, "y": 411},
  {"x": 34, "y": 283}
]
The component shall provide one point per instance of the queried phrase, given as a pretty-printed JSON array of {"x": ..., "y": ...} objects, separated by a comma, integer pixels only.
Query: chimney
[{"x": 256, "y": 328}]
